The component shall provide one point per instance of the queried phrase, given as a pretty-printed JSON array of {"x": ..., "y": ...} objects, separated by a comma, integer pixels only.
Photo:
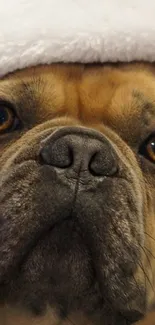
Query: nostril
[
  {"x": 79, "y": 152},
  {"x": 93, "y": 167},
  {"x": 57, "y": 154},
  {"x": 102, "y": 165}
]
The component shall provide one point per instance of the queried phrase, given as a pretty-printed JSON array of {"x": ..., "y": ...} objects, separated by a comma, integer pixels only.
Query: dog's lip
[{"x": 131, "y": 316}]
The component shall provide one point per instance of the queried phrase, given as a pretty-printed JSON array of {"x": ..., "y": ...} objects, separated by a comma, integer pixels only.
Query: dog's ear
[{"x": 148, "y": 320}]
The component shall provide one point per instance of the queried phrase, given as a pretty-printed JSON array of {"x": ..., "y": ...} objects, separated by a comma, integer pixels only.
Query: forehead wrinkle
[
  {"x": 105, "y": 93},
  {"x": 22, "y": 92},
  {"x": 129, "y": 102},
  {"x": 147, "y": 104},
  {"x": 29, "y": 95},
  {"x": 8, "y": 90},
  {"x": 32, "y": 89},
  {"x": 29, "y": 100},
  {"x": 41, "y": 95},
  {"x": 132, "y": 114}
]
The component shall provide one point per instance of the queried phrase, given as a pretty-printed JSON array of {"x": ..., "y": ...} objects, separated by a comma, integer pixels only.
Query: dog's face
[{"x": 77, "y": 191}]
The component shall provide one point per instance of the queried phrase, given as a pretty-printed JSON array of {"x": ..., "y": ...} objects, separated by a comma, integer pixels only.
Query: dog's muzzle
[
  {"x": 71, "y": 201},
  {"x": 79, "y": 151}
]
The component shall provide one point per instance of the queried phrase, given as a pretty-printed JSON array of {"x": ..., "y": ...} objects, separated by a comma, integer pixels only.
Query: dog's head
[{"x": 77, "y": 190}]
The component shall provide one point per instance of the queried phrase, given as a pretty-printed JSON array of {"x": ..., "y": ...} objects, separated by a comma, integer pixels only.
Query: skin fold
[{"x": 77, "y": 195}]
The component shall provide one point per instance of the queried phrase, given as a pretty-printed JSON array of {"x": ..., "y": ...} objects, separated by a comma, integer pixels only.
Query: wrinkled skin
[{"x": 77, "y": 236}]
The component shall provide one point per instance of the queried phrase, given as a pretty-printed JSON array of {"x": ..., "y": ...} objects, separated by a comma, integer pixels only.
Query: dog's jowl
[{"x": 77, "y": 195}]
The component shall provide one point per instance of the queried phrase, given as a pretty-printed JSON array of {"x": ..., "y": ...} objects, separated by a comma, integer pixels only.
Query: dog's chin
[
  {"x": 59, "y": 270},
  {"x": 71, "y": 254}
]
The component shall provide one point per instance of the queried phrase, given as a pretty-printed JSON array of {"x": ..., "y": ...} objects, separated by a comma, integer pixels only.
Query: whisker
[
  {"x": 149, "y": 262},
  {"x": 70, "y": 321},
  {"x": 149, "y": 235},
  {"x": 149, "y": 252},
  {"x": 133, "y": 277},
  {"x": 144, "y": 248},
  {"x": 145, "y": 274}
]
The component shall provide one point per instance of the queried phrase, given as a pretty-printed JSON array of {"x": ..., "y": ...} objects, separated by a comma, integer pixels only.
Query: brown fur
[{"x": 119, "y": 102}]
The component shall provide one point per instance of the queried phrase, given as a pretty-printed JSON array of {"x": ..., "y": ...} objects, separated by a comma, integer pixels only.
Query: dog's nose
[{"x": 79, "y": 149}]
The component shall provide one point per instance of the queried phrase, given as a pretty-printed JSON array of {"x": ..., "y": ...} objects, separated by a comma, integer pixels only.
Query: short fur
[{"x": 73, "y": 249}]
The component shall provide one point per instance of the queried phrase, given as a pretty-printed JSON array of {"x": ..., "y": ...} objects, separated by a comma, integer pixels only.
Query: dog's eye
[
  {"x": 8, "y": 120},
  {"x": 147, "y": 149}
]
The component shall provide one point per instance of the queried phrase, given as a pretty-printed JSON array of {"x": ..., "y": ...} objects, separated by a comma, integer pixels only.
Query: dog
[{"x": 77, "y": 195}]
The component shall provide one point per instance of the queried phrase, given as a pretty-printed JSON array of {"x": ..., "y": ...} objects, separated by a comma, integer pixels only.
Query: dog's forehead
[{"x": 102, "y": 93}]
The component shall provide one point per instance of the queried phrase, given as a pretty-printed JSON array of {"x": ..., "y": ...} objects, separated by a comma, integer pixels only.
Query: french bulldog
[{"x": 77, "y": 195}]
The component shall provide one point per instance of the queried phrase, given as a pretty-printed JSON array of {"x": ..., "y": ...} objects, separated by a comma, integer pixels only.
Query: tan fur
[{"x": 88, "y": 96}]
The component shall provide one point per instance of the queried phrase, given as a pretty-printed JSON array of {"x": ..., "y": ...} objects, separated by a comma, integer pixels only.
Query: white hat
[{"x": 44, "y": 31}]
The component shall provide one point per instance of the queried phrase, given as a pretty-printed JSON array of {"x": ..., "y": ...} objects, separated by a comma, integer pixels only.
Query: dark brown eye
[
  {"x": 8, "y": 119},
  {"x": 148, "y": 148}
]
